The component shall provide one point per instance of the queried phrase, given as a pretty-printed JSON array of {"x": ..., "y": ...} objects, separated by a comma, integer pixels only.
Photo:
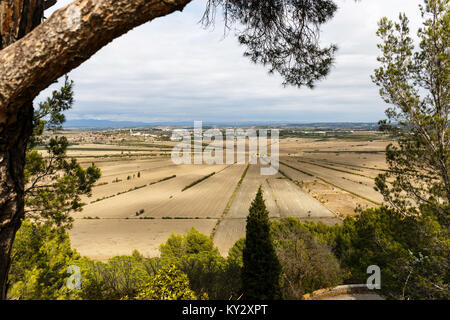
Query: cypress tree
[{"x": 261, "y": 270}]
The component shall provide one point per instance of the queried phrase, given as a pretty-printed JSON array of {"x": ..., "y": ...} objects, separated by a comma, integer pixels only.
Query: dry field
[
  {"x": 283, "y": 199},
  {"x": 340, "y": 173},
  {"x": 106, "y": 238},
  {"x": 139, "y": 201},
  {"x": 246, "y": 193},
  {"x": 150, "y": 197},
  {"x": 359, "y": 185},
  {"x": 204, "y": 200}
]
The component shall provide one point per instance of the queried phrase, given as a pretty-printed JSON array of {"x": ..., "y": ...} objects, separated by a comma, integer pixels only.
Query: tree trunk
[
  {"x": 29, "y": 65},
  {"x": 13, "y": 141},
  {"x": 17, "y": 18}
]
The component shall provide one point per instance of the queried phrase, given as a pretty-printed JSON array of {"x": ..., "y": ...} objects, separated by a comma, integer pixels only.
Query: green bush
[
  {"x": 168, "y": 284},
  {"x": 308, "y": 263},
  {"x": 412, "y": 252},
  {"x": 208, "y": 272},
  {"x": 41, "y": 257}
]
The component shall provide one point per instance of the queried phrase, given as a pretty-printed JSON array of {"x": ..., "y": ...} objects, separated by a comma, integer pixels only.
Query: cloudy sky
[{"x": 173, "y": 70}]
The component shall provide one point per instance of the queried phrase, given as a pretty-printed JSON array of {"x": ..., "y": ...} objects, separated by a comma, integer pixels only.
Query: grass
[
  {"x": 132, "y": 189},
  {"x": 148, "y": 145},
  {"x": 106, "y": 149},
  {"x": 351, "y": 192},
  {"x": 106, "y": 158}
]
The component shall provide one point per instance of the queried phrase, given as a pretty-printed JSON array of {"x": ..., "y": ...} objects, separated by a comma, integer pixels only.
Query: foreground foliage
[
  {"x": 209, "y": 273},
  {"x": 308, "y": 264},
  {"x": 54, "y": 183},
  {"x": 168, "y": 284},
  {"x": 40, "y": 259},
  {"x": 415, "y": 83},
  {"x": 412, "y": 252},
  {"x": 261, "y": 271}
]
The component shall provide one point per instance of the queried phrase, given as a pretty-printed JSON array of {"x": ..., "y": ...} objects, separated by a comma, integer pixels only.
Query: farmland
[{"x": 143, "y": 197}]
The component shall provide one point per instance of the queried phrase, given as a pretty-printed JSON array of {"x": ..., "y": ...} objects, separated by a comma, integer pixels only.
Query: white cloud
[{"x": 172, "y": 69}]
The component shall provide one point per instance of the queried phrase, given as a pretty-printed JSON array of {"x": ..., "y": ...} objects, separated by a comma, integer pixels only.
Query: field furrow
[
  {"x": 148, "y": 198},
  {"x": 206, "y": 199},
  {"x": 293, "y": 202},
  {"x": 105, "y": 238},
  {"x": 361, "y": 186}
]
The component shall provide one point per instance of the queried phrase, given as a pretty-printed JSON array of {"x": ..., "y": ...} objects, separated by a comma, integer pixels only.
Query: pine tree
[
  {"x": 261, "y": 271},
  {"x": 414, "y": 81}
]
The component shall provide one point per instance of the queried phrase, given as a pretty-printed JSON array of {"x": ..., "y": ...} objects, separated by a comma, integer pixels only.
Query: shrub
[
  {"x": 168, "y": 284},
  {"x": 208, "y": 272},
  {"x": 412, "y": 252},
  {"x": 42, "y": 256},
  {"x": 308, "y": 264}
]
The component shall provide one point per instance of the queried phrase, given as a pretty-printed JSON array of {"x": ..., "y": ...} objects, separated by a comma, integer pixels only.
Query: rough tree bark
[
  {"x": 17, "y": 18},
  {"x": 29, "y": 65}
]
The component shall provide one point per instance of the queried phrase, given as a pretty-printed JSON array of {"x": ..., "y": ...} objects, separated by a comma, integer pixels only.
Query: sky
[{"x": 172, "y": 69}]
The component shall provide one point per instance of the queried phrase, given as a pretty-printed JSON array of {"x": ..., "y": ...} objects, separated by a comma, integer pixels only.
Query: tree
[
  {"x": 416, "y": 84},
  {"x": 307, "y": 263},
  {"x": 40, "y": 259},
  {"x": 19, "y": 17},
  {"x": 53, "y": 184},
  {"x": 208, "y": 272},
  {"x": 168, "y": 284},
  {"x": 121, "y": 277},
  {"x": 409, "y": 239},
  {"x": 193, "y": 242},
  {"x": 261, "y": 271},
  {"x": 196, "y": 256},
  {"x": 412, "y": 252},
  {"x": 233, "y": 272},
  {"x": 280, "y": 34}
]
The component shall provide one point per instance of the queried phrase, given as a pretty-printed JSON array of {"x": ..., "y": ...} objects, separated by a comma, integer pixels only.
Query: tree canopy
[
  {"x": 415, "y": 83},
  {"x": 282, "y": 35}
]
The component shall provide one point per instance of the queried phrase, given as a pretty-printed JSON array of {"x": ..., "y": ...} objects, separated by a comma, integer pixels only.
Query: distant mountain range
[
  {"x": 104, "y": 124},
  {"x": 91, "y": 123}
]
